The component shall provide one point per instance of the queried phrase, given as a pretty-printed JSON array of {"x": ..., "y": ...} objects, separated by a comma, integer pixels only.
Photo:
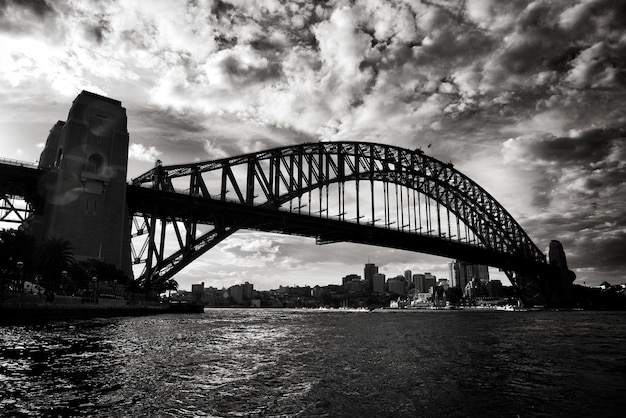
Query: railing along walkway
[{"x": 18, "y": 163}]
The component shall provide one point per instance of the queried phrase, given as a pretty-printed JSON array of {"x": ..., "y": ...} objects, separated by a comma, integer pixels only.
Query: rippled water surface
[{"x": 287, "y": 363}]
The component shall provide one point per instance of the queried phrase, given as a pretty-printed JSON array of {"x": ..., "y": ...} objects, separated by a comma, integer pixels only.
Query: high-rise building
[
  {"x": 397, "y": 285},
  {"x": 430, "y": 281},
  {"x": 461, "y": 273},
  {"x": 236, "y": 292},
  {"x": 418, "y": 280},
  {"x": 378, "y": 282},
  {"x": 368, "y": 274},
  {"x": 247, "y": 290},
  {"x": 369, "y": 271},
  {"x": 408, "y": 275},
  {"x": 451, "y": 275},
  {"x": 494, "y": 289},
  {"x": 346, "y": 280}
]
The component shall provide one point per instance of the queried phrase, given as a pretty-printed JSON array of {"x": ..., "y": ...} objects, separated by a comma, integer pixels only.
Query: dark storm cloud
[
  {"x": 581, "y": 184},
  {"x": 39, "y": 8},
  {"x": 594, "y": 242},
  {"x": 244, "y": 73},
  {"x": 16, "y": 16},
  {"x": 99, "y": 31},
  {"x": 221, "y": 9},
  {"x": 585, "y": 150},
  {"x": 589, "y": 165},
  {"x": 168, "y": 120}
]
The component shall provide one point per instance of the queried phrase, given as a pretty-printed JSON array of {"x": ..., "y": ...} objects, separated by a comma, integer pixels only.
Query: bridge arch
[{"x": 230, "y": 193}]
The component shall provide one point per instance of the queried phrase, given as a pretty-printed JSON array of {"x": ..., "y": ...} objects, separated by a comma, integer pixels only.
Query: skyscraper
[
  {"x": 430, "y": 281},
  {"x": 379, "y": 283},
  {"x": 368, "y": 274},
  {"x": 461, "y": 273},
  {"x": 418, "y": 280}
]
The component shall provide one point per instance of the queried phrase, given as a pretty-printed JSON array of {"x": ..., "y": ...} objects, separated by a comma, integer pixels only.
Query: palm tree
[
  {"x": 54, "y": 256},
  {"x": 170, "y": 285}
]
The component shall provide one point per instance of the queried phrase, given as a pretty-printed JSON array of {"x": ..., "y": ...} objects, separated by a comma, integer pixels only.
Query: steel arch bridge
[{"x": 334, "y": 191}]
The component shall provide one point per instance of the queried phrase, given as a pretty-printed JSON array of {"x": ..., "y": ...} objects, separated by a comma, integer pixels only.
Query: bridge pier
[
  {"x": 84, "y": 187},
  {"x": 561, "y": 278}
]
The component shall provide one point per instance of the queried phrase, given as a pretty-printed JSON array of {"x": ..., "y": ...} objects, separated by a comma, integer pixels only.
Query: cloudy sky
[{"x": 527, "y": 98}]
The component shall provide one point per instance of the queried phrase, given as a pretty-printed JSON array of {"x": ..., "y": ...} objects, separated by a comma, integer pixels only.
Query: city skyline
[{"x": 525, "y": 98}]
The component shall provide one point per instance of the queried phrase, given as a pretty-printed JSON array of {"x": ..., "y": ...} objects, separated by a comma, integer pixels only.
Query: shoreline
[{"x": 20, "y": 309}]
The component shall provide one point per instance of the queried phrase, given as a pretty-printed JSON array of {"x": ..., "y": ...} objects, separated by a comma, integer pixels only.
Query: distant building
[
  {"x": 443, "y": 283},
  {"x": 236, "y": 292},
  {"x": 379, "y": 283},
  {"x": 197, "y": 292},
  {"x": 368, "y": 273},
  {"x": 247, "y": 290},
  {"x": 319, "y": 292},
  {"x": 461, "y": 273},
  {"x": 346, "y": 280},
  {"x": 418, "y": 281},
  {"x": 408, "y": 275},
  {"x": 494, "y": 289},
  {"x": 354, "y": 285},
  {"x": 475, "y": 288},
  {"x": 451, "y": 274},
  {"x": 397, "y": 285},
  {"x": 430, "y": 281}
]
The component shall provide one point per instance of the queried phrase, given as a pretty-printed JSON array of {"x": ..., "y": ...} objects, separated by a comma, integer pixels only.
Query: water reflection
[{"x": 302, "y": 363}]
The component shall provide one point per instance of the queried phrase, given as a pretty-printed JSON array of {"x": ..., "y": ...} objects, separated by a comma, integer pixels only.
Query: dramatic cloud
[
  {"x": 141, "y": 153},
  {"x": 526, "y": 97},
  {"x": 581, "y": 183}
]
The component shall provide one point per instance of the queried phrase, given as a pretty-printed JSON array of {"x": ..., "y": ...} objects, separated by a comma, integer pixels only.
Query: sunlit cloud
[
  {"x": 141, "y": 153},
  {"x": 526, "y": 96}
]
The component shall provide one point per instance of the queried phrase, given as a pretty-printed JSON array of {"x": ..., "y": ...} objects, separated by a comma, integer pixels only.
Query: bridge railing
[{"x": 18, "y": 163}]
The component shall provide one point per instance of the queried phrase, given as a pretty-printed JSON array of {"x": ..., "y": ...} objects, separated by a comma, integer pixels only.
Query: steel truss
[
  {"x": 19, "y": 196},
  {"x": 374, "y": 187}
]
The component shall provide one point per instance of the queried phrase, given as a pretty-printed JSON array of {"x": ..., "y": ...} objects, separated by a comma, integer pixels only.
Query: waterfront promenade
[{"x": 25, "y": 308}]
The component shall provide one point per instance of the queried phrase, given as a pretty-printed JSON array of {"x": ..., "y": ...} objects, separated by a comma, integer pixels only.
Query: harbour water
[{"x": 299, "y": 363}]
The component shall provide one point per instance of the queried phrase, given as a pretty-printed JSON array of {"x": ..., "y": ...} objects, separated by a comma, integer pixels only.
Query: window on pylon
[{"x": 94, "y": 163}]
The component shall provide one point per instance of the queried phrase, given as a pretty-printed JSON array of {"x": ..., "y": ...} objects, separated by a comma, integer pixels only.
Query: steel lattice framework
[
  {"x": 333, "y": 191},
  {"x": 18, "y": 190}
]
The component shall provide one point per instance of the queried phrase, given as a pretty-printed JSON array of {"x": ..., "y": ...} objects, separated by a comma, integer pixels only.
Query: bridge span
[{"x": 366, "y": 193}]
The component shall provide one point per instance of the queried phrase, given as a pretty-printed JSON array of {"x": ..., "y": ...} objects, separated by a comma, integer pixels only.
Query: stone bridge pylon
[{"x": 83, "y": 185}]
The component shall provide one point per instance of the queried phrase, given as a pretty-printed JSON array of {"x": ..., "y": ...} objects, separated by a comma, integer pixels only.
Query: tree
[
  {"x": 15, "y": 245},
  {"x": 54, "y": 256},
  {"x": 170, "y": 285}
]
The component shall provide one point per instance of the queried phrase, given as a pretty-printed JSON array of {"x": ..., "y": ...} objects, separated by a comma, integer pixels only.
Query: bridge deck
[
  {"x": 19, "y": 178},
  {"x": 183, "y": 207}
]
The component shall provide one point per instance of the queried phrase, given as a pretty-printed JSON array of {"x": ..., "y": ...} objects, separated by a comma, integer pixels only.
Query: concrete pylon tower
[
  {"x": 85, "y": 187},
  {"x": 562, "y": 275}
]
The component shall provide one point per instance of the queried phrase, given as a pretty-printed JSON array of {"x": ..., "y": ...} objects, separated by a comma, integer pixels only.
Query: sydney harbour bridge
[{"x": 166, "y": 218}]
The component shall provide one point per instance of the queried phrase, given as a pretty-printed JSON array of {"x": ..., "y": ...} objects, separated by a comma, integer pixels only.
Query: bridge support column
[
  {"x": 561, "y": 278},
  {"x": 85, "y": 186}
]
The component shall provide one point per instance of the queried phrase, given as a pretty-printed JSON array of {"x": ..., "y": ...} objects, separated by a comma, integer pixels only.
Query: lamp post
[
  {"x": 20, "y": 276},
  {"x": 63, "y": 281},
  {"x": 94, "y": 279}
]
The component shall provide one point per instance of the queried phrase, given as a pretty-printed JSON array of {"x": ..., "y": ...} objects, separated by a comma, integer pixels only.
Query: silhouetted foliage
[
  {"x": 54, "y": 256},
  {"x": 82, "y": 274},
  {"x": 15, "y": 245},
  {"x": 170, "y": 286},
  {"x": 610, "y": 298}
]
